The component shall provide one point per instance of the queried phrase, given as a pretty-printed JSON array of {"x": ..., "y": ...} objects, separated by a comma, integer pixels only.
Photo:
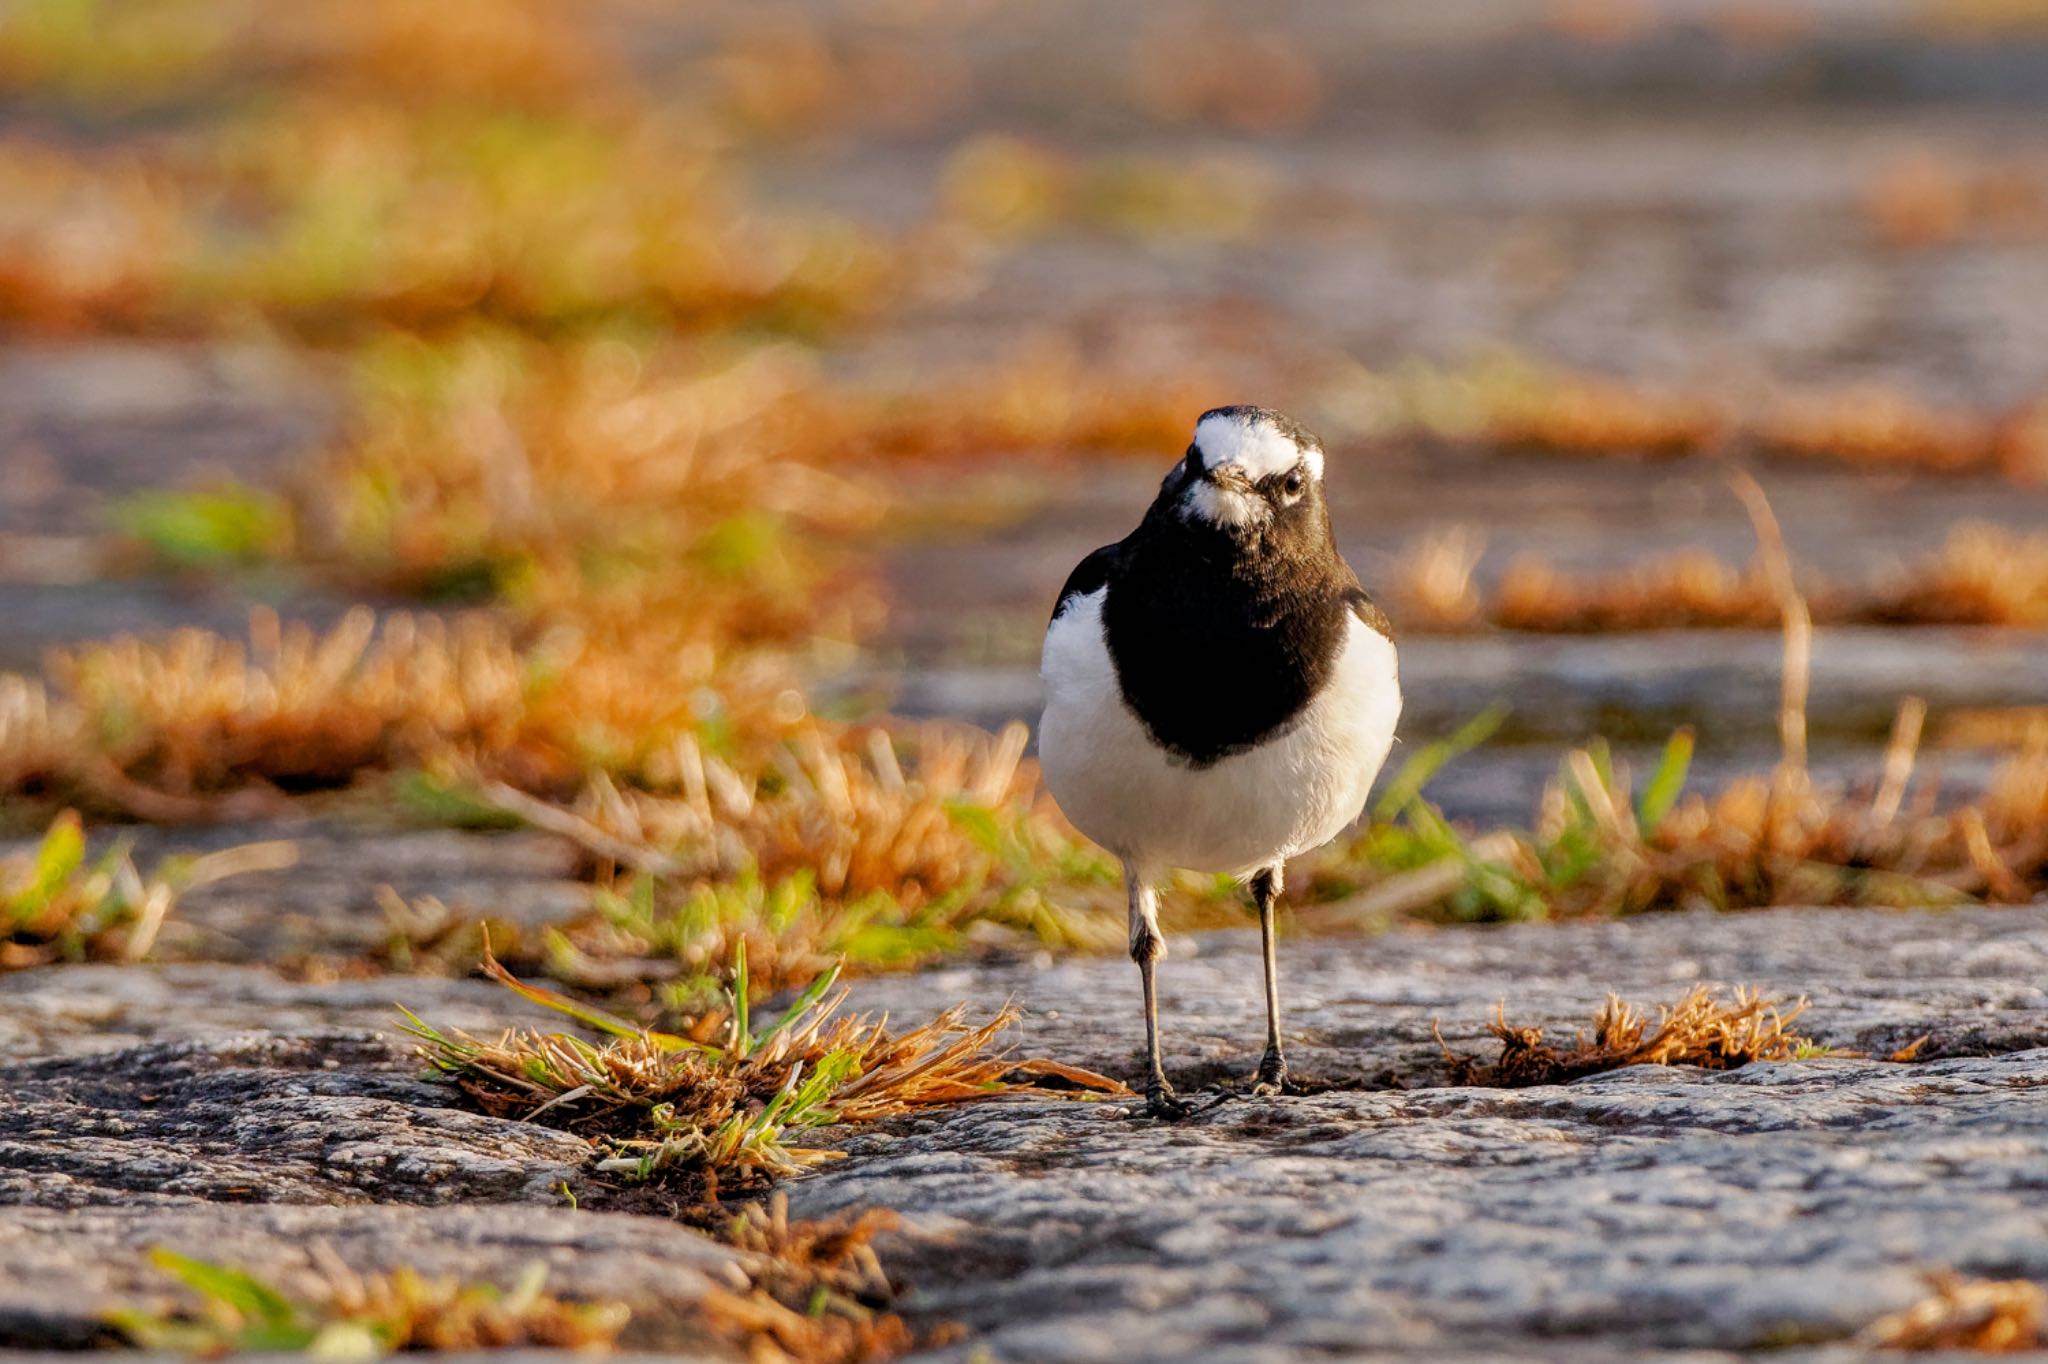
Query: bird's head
[{"x": 1251, "y": 473}]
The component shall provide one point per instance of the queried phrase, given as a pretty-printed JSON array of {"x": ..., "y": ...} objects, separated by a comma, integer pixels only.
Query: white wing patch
[{"x": 1257, "y": 447}]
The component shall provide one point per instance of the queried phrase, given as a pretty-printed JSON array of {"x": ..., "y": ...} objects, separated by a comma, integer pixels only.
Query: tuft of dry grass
[
  {"x": 818, "y": 1293},
  {"x": 330, "y": 215},
  {"x": 1598, "y": 848},
  {"x": 1007, "y": 186},
  {"x": 531, "y": 53},
  {"x": 1530, "y": 409},
  {"x": 1589, "y": 415},
  {"x": 38, "y": 736},
  {"x": 1691, "y": 589},
  {"x": 750, "y": 820},
  {"x": 1878, "y": 428},
  {"x": 1702, "y": 1029},
  {"x": 162, "y": 727},
  {"x": 1923, "y": 198},
  {"x": 876, "y": 847},
  {"x": 860, "y": 809},
  {"x": 1991, "y": 1316},
  {"x": 200, "y": 714},
  {"x": 717, "y": 1099},
  {"x": 84, "y": 247},
  {"x": 363, "y": 1315},
  {"x": 1983, "y": 574},
  {"x": 57, "y": 905},
  {"x": 1432, "y": 584}
]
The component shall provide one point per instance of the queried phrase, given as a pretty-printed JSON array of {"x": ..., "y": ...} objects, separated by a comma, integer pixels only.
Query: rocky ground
[
  {"x": 226, "y": 1111},
  {"x": 1687, "y": 205}
]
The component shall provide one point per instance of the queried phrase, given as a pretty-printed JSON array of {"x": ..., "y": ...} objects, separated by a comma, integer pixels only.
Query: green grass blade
[
  {"x": 588, "y": 1015},
  {"x": 1668, "y": 783},
  {"x": 58, "y": 856},
  {"x": 742, "y": 1040},
  {"x": 257, "y": 1303},
  {"x": 805, "y": 1002}
]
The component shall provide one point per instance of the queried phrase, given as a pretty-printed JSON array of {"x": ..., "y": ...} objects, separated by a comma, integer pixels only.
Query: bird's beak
[{"x": 1230, "y": 478}]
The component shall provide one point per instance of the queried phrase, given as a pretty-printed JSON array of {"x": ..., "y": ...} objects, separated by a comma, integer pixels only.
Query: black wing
[{"x": 1090, "y": 574}]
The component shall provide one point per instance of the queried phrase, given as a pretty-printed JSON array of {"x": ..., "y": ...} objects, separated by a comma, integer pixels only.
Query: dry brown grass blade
[
  {"x": 817, "y": 1291},
  {"x": 776, "y": 1334},
  {"x": 1989, "y": 1316},
  {"x": 1899, "y": 753},
  {"x": 1702, "y": 1030},
  {"x": 566, "y": 824},
  {"x": 1433, "y": 584},
  {"x": 1797, "y": 623}
]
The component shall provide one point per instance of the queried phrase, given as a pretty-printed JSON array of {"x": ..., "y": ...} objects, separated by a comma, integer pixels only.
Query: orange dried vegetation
[
  {"x": 817, "y": 1291},
  {"x": 534, "y": 53},
  {"x": 1982, "y": 575},
  {"x": 1700, "y": 1030},
  {"x": 86, "y": 246},
  {"x": 843, "y": 810},
  {"x": 1584, "y": 414},
  {"x": 1688, "y": 590},
  {"x": 900, "y": 840},
  {"x": 1991, "y": 1316},
  {"x": 1865, "y": 426},
  {"x": 1925, "y": 198},
  {"x": 1782, "y": 839},
  {"x": 1048, "y": 399},
  {"x": 329, "y": 215}
]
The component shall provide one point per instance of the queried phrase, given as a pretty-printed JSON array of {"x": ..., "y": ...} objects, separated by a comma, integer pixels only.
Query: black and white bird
[{"x": 1220, "y": 690}]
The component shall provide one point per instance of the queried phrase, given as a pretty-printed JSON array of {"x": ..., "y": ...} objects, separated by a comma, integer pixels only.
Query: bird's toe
[{"x": 1161, "y": 1102}]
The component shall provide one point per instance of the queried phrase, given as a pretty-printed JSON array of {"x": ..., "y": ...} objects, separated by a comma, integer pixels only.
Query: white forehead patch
[{"x": 1258, "y": 448}]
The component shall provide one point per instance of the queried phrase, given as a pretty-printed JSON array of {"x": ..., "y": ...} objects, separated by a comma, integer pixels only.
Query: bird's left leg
[{"x": 1273, "y": 1068}]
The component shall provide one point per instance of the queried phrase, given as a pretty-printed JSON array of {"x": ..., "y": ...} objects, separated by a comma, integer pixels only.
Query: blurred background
[{"x": 679, "y": 381}]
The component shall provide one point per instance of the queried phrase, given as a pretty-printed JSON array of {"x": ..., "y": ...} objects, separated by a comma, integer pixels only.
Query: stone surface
[
  {"x": 228, "y": 1109},
  {"x": 256, "y": 1150},
  {"x": 1650, "y": 1208},
  {"x": 1364, "y": 1011},
  {"x": 266, "y": 1118},
  {"x": 93, "y": 1009},
  {"x": 1472, "y": 178}
]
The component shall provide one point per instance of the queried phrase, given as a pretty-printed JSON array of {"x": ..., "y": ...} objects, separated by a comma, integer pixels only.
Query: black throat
[{"x": 1221, "y": 643}]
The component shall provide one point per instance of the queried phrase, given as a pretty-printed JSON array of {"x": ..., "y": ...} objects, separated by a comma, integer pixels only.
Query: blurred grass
[
  {"x": 601, "y": 433},
  {"x": 362, "y": 1316}
]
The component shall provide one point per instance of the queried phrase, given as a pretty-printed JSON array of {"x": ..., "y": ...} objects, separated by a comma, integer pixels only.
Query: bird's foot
[
  {"x": 1272, "y": 1077},
  {"x": 1162, "y": 1103}
]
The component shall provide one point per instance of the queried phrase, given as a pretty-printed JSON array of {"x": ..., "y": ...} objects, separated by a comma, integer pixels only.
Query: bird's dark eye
[{"x": 1292, "y": 482}]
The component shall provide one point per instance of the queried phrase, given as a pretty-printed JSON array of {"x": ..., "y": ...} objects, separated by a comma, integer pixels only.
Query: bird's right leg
[{"x": 1147, "y": 947}]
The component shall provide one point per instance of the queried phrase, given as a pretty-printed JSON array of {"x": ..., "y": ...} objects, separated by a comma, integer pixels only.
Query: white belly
[{"x": 1291, "y": 793}]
